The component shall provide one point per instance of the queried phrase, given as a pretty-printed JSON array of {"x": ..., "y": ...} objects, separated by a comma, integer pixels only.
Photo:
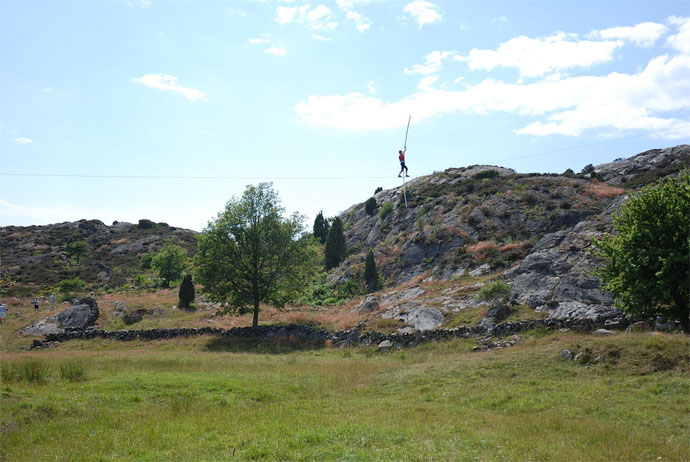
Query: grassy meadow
[{"x": 212, "y": 399}]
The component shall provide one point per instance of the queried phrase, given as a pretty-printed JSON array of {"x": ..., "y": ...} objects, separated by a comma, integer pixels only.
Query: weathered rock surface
[{"x": 82, "y": 314}]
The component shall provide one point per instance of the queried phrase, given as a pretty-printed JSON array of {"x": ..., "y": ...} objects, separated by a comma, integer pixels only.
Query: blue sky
[{"x": 200, "y": 98}]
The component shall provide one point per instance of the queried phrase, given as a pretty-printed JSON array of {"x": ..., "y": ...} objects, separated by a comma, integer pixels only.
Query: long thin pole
[{"x": 404, "y": 174}]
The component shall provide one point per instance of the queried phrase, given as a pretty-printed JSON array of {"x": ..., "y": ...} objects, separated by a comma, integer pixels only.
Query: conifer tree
[
  {"x": 336, "y": 248},
  {"x": 371, "y": 276},
  {"x": 319, "y": 227},
  {"x": 186, "y": 293}
]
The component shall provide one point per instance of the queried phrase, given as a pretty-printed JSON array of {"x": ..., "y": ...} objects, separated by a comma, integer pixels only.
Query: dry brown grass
[
  {"x": 603, "y": 190},
  {"x": 481, "y": 246}
]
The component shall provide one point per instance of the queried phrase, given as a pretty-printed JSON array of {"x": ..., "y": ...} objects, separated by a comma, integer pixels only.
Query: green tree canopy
[
  {"x": 170, "y": 262},
  {"x": 77, "y": 250},
  {"x": 336, "y": 247},
  {"x": 648, "y": 259},
  {"x": 251, "y": 254}
]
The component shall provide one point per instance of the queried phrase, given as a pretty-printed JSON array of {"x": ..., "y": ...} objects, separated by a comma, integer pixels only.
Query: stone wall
[{"x": 341, "y": 338}]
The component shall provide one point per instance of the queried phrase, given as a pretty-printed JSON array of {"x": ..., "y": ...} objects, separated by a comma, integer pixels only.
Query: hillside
[{"x": 37, "y": 255}]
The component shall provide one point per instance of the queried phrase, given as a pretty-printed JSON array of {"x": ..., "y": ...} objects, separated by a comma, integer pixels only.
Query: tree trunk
[
  {"x": 255, "y": 321},
  {"x": 683, "y": 311}
]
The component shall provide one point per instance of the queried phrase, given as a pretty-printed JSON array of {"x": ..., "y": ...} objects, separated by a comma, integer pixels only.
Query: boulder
[
  {"x": 566, "y": 354},
  {"x": 499, "y": 312},
  {"x": 370, "y": 303},
  {"x": 385, "y": 345},
  {"x": 82, "y": 314}
]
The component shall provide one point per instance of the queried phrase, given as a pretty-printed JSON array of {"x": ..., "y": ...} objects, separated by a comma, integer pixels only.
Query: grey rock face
[
  {"x": 566, "y": 354},
  {"x": 417, "y": 315},
  {"x": 385, "y": 345},
  {"x": 618, "y": 172},
  {"x": 82, "y": 314},
  {"x": 370, "y": 303}
]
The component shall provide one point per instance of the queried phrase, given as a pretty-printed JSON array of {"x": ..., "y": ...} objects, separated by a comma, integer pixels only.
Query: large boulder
[{"x": 82, "y": 314}]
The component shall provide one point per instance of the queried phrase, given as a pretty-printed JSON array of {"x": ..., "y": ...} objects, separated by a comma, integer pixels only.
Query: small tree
[
  {"x": 648, "y": 260},
  {"x": 250, "y": 253},
  {"x": 77, "y": 250},
  {"x": 370, "y": 206},
  {"x": 378, "y": 190},
  {"x": 371, "y": 276},
  {"x": 169, "y": 263},
  {"x": 186, "y": 294},
  {"x": 336, "y": 247},
  {"x": 318, "y": 230}
]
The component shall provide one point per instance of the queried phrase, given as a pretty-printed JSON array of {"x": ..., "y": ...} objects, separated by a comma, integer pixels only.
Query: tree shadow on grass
[{"x": 274, "y": 345}]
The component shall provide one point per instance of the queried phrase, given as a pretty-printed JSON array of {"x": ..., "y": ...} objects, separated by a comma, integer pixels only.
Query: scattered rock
[
  {"x": 481, "y": 270},
  {"x": 82, "y": 314},
  {"x": 566, "y": 354},
  {"x": 385, "y": 345},
  {"x": 499, "y": 312},
  {"x": 370, "y": 303},
  {"x": 603, "y": 332},
  {"x": 132, "y": 318}
]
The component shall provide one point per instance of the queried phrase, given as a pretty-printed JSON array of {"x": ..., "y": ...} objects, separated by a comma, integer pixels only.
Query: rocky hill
[
  {"x": 534, "y": 231},
  {"x": 38, "y": 255}
]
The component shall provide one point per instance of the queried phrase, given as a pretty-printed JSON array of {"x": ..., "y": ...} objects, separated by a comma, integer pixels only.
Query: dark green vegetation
[
  {"x": 336, "y": 247},
  {"x": 186, "y": 293},
  {"x": 648, "y": 260},
  {"x": 371, "y": 276},
  {"x": 202, "y": 399},
  {"x": 370, "y": 206},
  {"x": 251, "y": 254},
  {"x": 37, "y": 257},
  {"x": 321, "y": 227}
]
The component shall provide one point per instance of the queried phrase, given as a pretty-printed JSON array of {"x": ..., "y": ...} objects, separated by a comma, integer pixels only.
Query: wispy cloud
[
  {"x": 259, "y": 41},
  {"x": 423, "y": 12},
  {"x": 318, "y": 18},
  {"x": 169, "y": 83},
  {"x": 433, "y": 62},
  {"x": 655, "y": 98},
  {"x": 138, "y": 3},
  {"x": 23, "y": 140},
  {"x": 277, "y": 51},
  {"x": 643, "y": 34},
  {"x": 320, "y": 37},
  {"x": 362, "y": 23}
]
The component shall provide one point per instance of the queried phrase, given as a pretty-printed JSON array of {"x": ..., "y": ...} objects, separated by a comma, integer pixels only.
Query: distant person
[
  {"x": 52, "y": 301},
  {"x": 3, "y": 313},
  {"x": 36, "y": 304},
  {"x": 401, "y": 158}
]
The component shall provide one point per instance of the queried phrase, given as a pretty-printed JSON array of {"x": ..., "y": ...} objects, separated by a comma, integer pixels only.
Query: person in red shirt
[{"x": 401, "y": 158}]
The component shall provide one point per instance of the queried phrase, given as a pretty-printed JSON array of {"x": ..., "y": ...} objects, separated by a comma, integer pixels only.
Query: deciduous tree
[
  {"x": 170, "y": 262},
  {"x": 648, "y": 259}
]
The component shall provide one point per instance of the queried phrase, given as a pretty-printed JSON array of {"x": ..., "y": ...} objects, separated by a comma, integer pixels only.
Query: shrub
[
  {"x": 378, "y": 190},
  {"x": 186, "y": 293},
  {"x": 496, "y": 293},
  {"x": 145, "y": 224},
  {"x": 67, "y": 286},
  {"x": 485, "y": 174},
  {"x": 370, "y": 274},
  {"x": 370, "y": 206},
  {"x": 386, "y": 208}
]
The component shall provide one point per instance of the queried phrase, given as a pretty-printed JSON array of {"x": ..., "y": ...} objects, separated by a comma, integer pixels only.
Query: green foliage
[
  {"x": 370, "y": 206},
  {"x": 145, "y": 261},
  {"x": 170, "y": 262},
  {"x": 68, "y": 286},
  {"x": 145, "y": 224},
  {"x": 386, "y": 208},
  {"x": 496, "y": 293},
  {"x": 371, "y": 276},
  {"x": 250, "y": 253},
  {"x": 73, "y": 371},
  {"x": 485, "y": 174},
  {"x": 319, "y": 229},
  {"x": 77, "y": 250},
  {"x": 648, "y": 260},
  {"x": 336, "y": 247},
  {"x": 569, "y": 171},
  {"x": 186, "y": 293},
  {"x": 378, "y": 190}
]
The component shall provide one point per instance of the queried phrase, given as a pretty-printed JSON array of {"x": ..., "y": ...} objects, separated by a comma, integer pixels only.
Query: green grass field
[{"x": 208, "y": 399}]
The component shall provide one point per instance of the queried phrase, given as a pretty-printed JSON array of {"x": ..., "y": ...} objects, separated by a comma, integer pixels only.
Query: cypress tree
[
  {"x": 186, "y": 293},
  {"x": 370, "y": 206},
  {"x": 318, "y": 227},
  {"x": 336, "y": 248},
  {"x": 371, "y": 277},
  {"x": 326, "y": 230}
]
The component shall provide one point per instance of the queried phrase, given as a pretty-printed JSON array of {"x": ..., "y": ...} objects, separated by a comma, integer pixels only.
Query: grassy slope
[{"x": 201, "y": 399}]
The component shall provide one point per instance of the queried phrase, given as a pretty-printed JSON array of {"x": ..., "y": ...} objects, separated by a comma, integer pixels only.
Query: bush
[
  {"x": 496, "y": 293},
  {"x": 370, "y": 274},
  {"x": 370, "y": 206},
  {"x": 145, "y": 224},
  {"x": 378, "y": 190},
  {"x": 485, "y": 174},
  {"x": 386, "y": 208},
  {"x": 186, "y": 293},
  {"x": 67, "y": 286}
]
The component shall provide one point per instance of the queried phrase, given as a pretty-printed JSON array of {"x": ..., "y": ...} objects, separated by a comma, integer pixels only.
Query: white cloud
[
  {"x": 362, "y": 23},
  {"x": 433, "y": 62},
  {"x": 275, "y": 50},
  {"x": 643, "y": 34},
  {"x": 169, "y": 83},
  {"x": 258, "y": 41},
  {"x": 139, "y": 3},
  {"x": 681, "y": 40},
  {"x": 48, "y": 90},
  {"x": 535, "y": 57},
  {"x": 23, "y": 140},
  {"x": 320, "y": 37},
  {"x": 423, "y": 12},
  {"x": 426, "y": 83},
  {"x": 371, "y": 87},
  {"x": 499, "y": 20},
  {"x": 569, "y": 106},
  {"x": 317, "y": 18}
]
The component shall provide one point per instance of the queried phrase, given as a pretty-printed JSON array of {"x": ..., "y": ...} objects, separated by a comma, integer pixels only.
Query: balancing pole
[{"x": 405, "y": 149}]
